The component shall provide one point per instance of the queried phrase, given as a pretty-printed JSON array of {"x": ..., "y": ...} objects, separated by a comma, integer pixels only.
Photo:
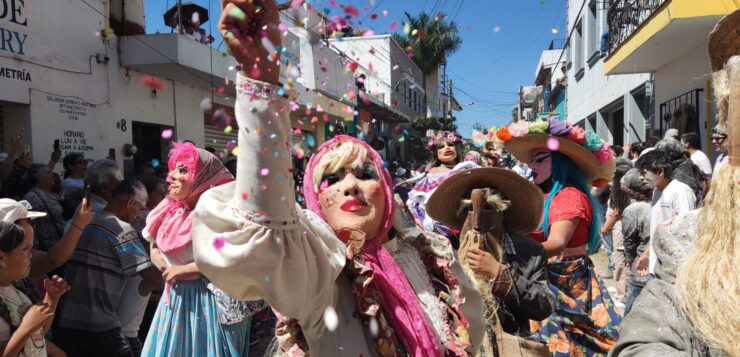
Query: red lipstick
[{"x": 352, "y": 205}]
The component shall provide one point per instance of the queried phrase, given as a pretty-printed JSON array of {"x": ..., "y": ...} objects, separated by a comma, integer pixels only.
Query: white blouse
[{"x": 252, "y": 240}]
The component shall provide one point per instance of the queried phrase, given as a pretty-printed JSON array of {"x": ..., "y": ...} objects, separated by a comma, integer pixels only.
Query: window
[
  {"x": 577, "y": 46},
  {"x": 592, "y": 31}
]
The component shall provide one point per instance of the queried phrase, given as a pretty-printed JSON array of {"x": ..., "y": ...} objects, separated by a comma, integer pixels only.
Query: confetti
[
  {"x": 497, "y": 29},
  {"x": 264, "y": 172},
  {"x": 310, "y": 141},
  {"x": 228, "y": 129},
  {"x": 155, "y": 163},
  {"x": 244, "y": 196},
  {"x": 406, "y": 28},
  {"x": 218, "y": 243},
  {"x": 330, "y": 318},
  {"x": 393, "y": 26},
  {"x": 385, "y": 13},
  {"x": 166, "y": 133},
  {"x": 350, "y": 10},
  {"x": 205, "y": 104},
  {"x": 554, "y": 30},
  {"x": 401, "y": 139},
  {"x": 296, "y": 4},
  {"x": 152, "y": 82},
  {"x": 237, "y": 13},
  {"x": 553, "y": 144}
]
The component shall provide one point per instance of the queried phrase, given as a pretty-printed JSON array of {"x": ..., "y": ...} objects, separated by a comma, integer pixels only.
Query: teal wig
[{"x": 566, "y": 173}]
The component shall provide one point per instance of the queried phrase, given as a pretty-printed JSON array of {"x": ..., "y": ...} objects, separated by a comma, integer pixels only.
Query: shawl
[
  {"x": 396, "y": 296},
  {"x": 170, "y": 223}
]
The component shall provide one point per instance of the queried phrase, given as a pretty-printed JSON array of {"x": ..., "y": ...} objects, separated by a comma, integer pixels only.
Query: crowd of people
[{"x": 463, "y": 257}]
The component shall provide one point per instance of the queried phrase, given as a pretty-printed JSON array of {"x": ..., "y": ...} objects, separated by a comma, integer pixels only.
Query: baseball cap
[{"x": 12, "y": 210}]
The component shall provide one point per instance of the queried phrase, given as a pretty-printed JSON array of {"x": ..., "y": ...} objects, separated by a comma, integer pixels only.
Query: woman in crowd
[
  {"x": 691, "y": 307},
  {"x": 156, "y": 190},
  {"x": 75, "y": 167},
  {"x": 496, "y": 208},
  {"x": 618, "y": 201},
  {"x": 445, "y": 147},
  {"x": 636, "y": 232},
  {"x": 565, "y": 161},
  {"x": 176, "y": 330},
  {"x": 351, "y": 274},
  {"x": 49, "y": 229}
]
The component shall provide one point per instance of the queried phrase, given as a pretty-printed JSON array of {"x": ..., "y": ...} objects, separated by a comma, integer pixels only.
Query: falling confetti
[
  {"x": 166, "y": 134},
  {"x": 152, "y": 82},
  {"x": 406, "y": 28},
  {"x": 385, "y": 12},
  {"x": 264, "y": 171},
  {"x": 310, "y": 141},
  {"x": 553, "y": 144},
  {"x": 205, "y": 104},
  {"x": 244, "y": 196},
  {"x": 218, "y": 243},
  {"x": 497, "y": 29},
  {"x": 228, "y": 129},
  {"x": 330, "y": 318},
  {"x": 393, "y": 26},
  {"x": 155, "y": 163},
  {"x": 237, "y": 13},
  {"x": 554, "y": 30}
]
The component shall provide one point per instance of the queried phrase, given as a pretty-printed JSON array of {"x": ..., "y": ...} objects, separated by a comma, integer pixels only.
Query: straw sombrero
[
  {"x": 522, "y": 216},
  {"x": 724, "y": 40},
  {"x": 588, "y": 151}
]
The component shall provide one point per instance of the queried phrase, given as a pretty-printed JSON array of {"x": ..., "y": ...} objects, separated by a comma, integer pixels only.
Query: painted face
[
  {"x": 541, "y": 166},
  {"x": 353, "y": 200},
  {"x": 648, "y": 180},
  {"x": 720, "y": 142},
  {"x": 179, "y": 182},
  {"x": 18, "y": 261},
  {"x": 446, "y": 153}
]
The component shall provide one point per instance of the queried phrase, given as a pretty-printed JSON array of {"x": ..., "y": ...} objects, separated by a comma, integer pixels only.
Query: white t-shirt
[
  {"x": 721, "y": 161},
  {"x": 700, "y": 159},
  {"x": 16, "y": 302},
  {"x": 677, "y": 198},
  {"x": 131, "y": 307}
]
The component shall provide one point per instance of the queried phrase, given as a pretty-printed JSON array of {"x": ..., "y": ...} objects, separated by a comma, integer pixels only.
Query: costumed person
[
  {"x": 691, "y": 307},
  {"x": 495, "y": 209},
  {"x": 350, "y": 275},
  {"x": 490, "y": 146},
  {"x": 193, "y": 318},
  {"x": 565, "y": 162},
  {"x": 445, "y": 162},
  {"x": 474, "y": 157}
]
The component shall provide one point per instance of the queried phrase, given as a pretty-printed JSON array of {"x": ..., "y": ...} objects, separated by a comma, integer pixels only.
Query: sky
[{"x": 502, "y": 44}]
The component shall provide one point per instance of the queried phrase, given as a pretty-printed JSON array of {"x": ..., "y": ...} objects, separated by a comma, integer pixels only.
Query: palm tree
[{"x": 435, "y": 40}]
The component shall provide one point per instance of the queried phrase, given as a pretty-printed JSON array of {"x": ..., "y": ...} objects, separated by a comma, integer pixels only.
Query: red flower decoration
[
  {"x": 504, "y": 134},
  {"x": 577, "y": 135}
]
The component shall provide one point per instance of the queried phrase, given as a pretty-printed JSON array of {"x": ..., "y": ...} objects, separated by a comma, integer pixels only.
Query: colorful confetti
[
  {"x": 264, "y": 171},
  {"x": 166, "y": 134},
  {"x": 152, "y": 82},
  {"x": 218, "y": 243}
]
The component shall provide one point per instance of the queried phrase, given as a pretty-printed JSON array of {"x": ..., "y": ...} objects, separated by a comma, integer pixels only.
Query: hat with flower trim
[{"x": 586, "y": 148}]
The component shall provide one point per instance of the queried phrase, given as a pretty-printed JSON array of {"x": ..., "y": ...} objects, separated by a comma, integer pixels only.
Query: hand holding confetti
[{"x": 250, "y": 30}]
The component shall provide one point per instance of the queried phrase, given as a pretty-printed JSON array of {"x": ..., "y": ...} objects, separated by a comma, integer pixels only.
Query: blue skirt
[{"x": 188, "y": 326}]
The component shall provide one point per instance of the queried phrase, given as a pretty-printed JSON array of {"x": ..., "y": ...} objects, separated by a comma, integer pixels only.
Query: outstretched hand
[{"x": 250, "y": 30}]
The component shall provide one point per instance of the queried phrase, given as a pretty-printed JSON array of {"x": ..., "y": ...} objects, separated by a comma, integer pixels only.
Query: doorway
[{"x": 148, "y": 139}]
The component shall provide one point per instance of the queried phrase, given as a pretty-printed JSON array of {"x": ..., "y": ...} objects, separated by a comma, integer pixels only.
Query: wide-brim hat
[
  {"x": 522, "y": 216},
  {"x": 523, "y": 148},
  {"x": 724, "y": 40},
  {"x": 12, "y": 210}
]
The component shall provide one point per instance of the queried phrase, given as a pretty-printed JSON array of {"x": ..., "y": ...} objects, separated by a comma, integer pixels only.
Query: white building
[
  {"x": 64, "y": 77},
  {"x": 669, "y": 38},
  {"x": 615, "y": 106}
]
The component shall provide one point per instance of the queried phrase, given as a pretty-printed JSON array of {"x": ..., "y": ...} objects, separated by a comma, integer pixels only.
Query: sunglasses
[{"x": 719, "y": 138}]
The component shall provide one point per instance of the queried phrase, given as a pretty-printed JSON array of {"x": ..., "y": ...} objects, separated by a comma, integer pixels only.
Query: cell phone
[
  {"x": 112, "y": 153},
  {"x": 87, "y": 194},
  {"x": 56, "y": 145}
]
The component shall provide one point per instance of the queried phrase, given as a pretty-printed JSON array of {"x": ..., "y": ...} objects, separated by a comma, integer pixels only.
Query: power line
[{"x": 458, "y": 10}]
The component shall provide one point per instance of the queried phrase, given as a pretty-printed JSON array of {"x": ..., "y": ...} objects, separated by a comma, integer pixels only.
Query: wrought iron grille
[
  {"x": 626, "y": 16},
  {"x": 681, "y": 113}
]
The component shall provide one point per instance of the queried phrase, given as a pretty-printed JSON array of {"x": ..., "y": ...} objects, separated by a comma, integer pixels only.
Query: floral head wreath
[
  {"x": 488, "y": 142},
  {"x": 449, "y": 137}
]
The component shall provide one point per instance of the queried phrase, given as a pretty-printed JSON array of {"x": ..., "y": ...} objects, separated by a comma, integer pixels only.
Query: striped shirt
[{"x": 108, "y": 254}]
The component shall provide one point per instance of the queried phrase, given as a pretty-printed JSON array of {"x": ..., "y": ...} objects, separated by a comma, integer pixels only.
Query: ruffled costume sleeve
[
  {"x": 249, "y": 236},
  {"x": 570, "y": 203}
]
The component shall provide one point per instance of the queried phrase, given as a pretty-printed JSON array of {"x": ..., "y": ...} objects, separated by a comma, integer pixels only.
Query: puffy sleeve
[
  {"x": 570, "y": 203},
  {"x": 249, "y": 236}
]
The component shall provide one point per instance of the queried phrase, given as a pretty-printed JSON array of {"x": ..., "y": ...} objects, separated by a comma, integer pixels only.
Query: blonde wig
[
  {"x": 708, "y": 285},
  {"x": 486, "y": 241},
  {"x": 346, "y": 155}
]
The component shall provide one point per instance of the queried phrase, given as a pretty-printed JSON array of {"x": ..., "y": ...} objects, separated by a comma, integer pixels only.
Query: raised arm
[{"x": 249, "y": 237}]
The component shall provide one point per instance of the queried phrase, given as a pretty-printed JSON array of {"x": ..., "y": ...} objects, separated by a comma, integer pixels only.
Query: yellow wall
[{"x": 671, "y": 10}]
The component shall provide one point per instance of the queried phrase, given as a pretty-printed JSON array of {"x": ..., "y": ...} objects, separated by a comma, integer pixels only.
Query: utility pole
[{"x": 448, "y": 115}]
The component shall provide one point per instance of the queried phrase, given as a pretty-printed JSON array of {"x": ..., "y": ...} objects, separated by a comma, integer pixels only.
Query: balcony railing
[
  {"x": 557, "y": 44},
  {"x": 626, "y": 16}
]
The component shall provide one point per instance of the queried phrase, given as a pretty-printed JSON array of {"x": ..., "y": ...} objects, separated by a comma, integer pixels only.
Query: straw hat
[
  {"x": 522, "y": 216},
  {"x": 588, "y": 151},
  {"x": 724, "y": 40}
]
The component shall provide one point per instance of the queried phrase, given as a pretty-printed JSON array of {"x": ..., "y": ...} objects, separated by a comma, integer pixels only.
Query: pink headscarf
[
  {"x": 170, "y": 222},
  {"x": 397, "y": 298}
]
